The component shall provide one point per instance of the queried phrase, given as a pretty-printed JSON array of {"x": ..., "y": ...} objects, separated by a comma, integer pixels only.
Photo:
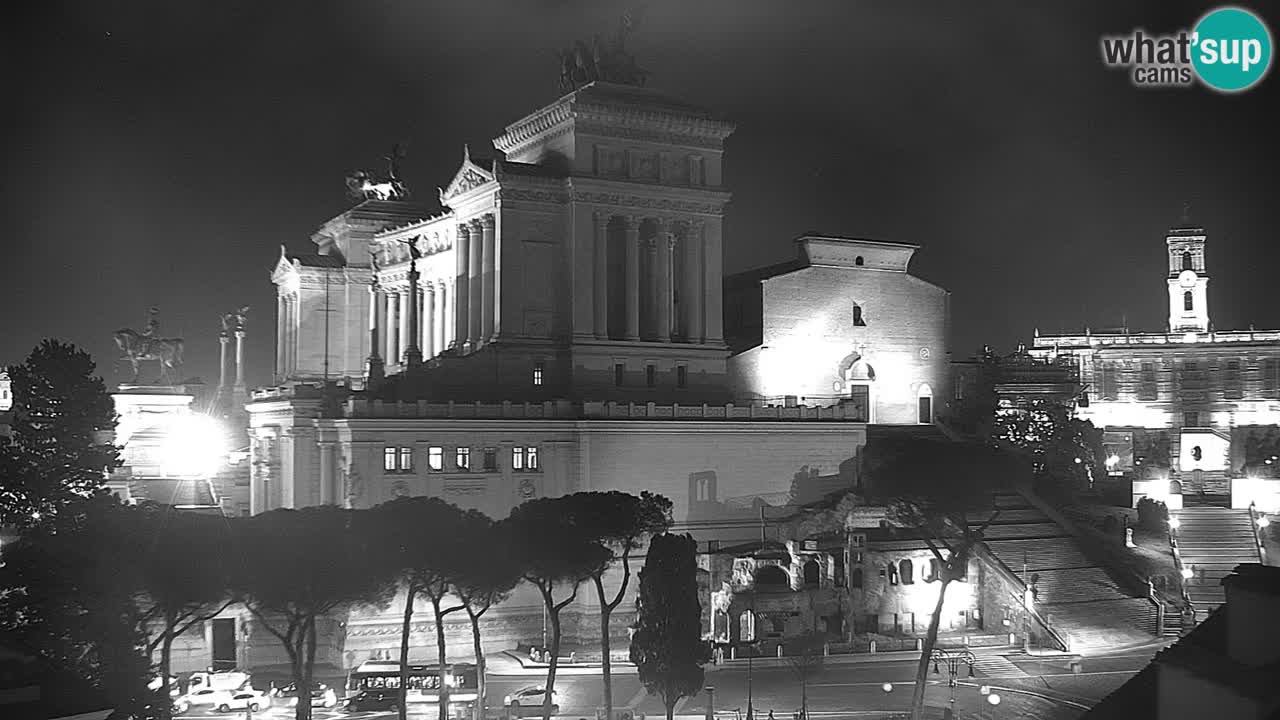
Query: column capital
[
  {"x": 631, "y": 223},
  {"x": 601, "y": 218},
  {"x": 464, "y": 229},
  {"x": 696, "y": 224},
  {"x": 487, "y": 221},
  {"x": 666, "y": 225},
  {"x": 651, "y": 243}
]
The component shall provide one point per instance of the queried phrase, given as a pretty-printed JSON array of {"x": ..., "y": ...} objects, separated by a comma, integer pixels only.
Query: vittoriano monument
[
  {"x": 148, "y": 345},
  {"x": 364, "y": 185}
]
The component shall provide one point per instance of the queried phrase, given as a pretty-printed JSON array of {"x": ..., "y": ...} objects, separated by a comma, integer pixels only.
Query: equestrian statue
[
  {"x": 148, "y": 345},
  {"x": 608, "y": 60},
  {"x": 362, "y": 185}
]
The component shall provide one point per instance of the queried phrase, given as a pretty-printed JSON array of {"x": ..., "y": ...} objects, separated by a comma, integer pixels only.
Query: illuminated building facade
[
  {"x": 559, "y": 327},
  {"x": 1193, "y": 407}
]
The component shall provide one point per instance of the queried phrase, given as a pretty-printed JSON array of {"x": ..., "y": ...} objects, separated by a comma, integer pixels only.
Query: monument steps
[{"x": 1212, "y": 542}]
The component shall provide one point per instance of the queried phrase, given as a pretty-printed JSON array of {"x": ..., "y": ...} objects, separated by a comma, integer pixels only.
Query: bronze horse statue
[{"x": 138, "y": 347}]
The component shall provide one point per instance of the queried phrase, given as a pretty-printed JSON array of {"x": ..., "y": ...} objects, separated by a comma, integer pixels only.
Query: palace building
[
  {"x": 1189, "y": 413},
  {"x": 560, "y": 325}
]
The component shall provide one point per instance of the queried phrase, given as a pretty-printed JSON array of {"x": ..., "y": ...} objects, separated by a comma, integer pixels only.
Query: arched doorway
[
  {"x": 924, "y": 404},
  {"x": 812, "y": 574},
  {"x": 772, "y": 577},
  {"x": 857, "y": 380}
]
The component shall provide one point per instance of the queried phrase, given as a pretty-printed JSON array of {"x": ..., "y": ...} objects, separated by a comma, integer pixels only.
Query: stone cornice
[
  {"x": 531, "y": 127},
  {"x": 631, "y": 200}
]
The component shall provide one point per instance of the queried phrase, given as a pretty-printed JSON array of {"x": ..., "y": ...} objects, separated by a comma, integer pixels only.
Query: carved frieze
[
  {"x": 464, "y": 487},
  {"x": 650, "y": 203},
  {"x": 540, "y": 196},
  {"x": 644, "y": 166}
]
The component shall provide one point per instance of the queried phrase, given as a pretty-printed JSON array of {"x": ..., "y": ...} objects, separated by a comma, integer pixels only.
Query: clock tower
[{"x": 1188, "y": 281}]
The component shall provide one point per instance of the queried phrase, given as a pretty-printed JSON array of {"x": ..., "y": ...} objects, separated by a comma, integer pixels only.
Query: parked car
[
  {"x": 388, "y": 700},
  {"x": 531, "y": 697},
  {"x": 200, "y": 697},
  {"x": 242, "y": 699},
  {"x": 321, "y": 696}
]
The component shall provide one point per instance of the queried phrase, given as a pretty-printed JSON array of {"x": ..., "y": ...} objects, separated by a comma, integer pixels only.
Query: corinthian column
[
  {"x": 222, "y": 367},
  {"x": 326, "y": 473},
  {"x": 665, "y": 242},
  {"x": 489, "y": 285},
  {"x": 649, "y": 331},
  {"x": 691, "y": 295},
  {"x": 389, "y": 318},
  {"x": 429, "y": 321},
  {"x": 462, "y": 281},
  {"x": 633, "y": 277},
  {"x": 475, "y": 286},
  {"x": 373, "y": 370},
  {"x": 601, "y": 294}
]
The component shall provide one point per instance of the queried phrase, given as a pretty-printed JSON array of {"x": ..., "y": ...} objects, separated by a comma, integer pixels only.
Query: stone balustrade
[
  {"x": 1044, "y": 342},
  {"x": 566, "y": 410}
]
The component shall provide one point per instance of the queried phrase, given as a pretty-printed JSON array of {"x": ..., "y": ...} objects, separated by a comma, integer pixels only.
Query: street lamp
[
  {"x": 994, "y": 699},
  {"x": 1174, "y": 523},
  {"x": 953, "y": 661},
  {"x": 887, "y": 687}
]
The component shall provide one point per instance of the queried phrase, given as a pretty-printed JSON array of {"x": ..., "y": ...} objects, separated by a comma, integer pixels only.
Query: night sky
[{"x": 157, "y": 153}]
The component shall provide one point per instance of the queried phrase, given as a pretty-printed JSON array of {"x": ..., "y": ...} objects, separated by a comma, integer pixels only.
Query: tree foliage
[
  {"x": 297, "y": 566},
  {"x": 1062, "y": 448},
  {"x": 667, "y": 647},
  {"x": 61, "y": 417},
  {"x": 553, "y": 551}
]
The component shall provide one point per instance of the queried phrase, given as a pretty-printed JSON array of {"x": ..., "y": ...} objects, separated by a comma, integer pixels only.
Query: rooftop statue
[
  {"x": 234, "y": 321},
  {"x": 363, "y": 185},
  {"x": 602, "y": 60},
  {"x": 148, "y": 345}
]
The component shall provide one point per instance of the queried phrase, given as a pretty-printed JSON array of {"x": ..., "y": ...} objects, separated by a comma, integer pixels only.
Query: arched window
[
  {"x": 908, "y": 572},
  {"x": 1186, "y": 261},
  {"x": 855, "y": 578},
  {"x": 1175, "y": 487},
  {"x": 772, "y": 577},
  {"x": 1187, "y": 303},
  {"x": 932, "y": 574},
  {"x": 812, "y": 574},
  {"x": 858, "y": 261},
  {"x": 746, "y": 626},
  {"x": 857, "y": 316}
]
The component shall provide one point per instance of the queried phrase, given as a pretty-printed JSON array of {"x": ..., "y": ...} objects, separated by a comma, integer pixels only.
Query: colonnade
[
  {"x": 390, "y": 314},
  {"x": 286, "y": 334},
  {"x": 663, "y": 286}
]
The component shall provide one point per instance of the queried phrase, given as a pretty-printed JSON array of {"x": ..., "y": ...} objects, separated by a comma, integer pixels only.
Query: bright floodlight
[
  {"x": 985, "y": 689},
  {"x": 1175, "y": 523},
  {"x": 194, "y": 446},
  {"x": 993, "y": 698},
  {"x": 887, "y": 687},
  {"x": 1187, "y": 573}
]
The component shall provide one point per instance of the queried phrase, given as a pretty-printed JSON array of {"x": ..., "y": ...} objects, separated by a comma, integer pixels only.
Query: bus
[{"x": 424, "y": 683}]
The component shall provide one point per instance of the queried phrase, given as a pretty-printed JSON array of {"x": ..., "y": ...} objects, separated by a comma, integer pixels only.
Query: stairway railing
[
  {"x": 1012, "y": 578},
  {"x": 1257, "y": 533}
]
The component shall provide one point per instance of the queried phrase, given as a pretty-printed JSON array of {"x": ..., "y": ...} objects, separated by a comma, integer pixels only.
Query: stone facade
[{"x": 1193, "y": 385}]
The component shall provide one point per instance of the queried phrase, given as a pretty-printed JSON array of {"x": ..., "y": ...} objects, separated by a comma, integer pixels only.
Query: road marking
[{"x": 1032, "y": 693}]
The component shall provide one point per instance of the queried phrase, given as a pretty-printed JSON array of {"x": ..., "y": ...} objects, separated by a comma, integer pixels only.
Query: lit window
[
  {"x": 531, "y": 458},
  {"x": 389, "y": 459},
  {"x": 463, "y": 458},
  {"x": 650, "y": 375},
  {"x": 406, "y": 459},
  {"x": 490, "y": 459},
  {"x": 435, "y": 458},
  {"x": 682, "y": 376},
  {"x": 619, "y": 374},
  {"x": 517, "y": 458},
  {"x": 537, "y": 373},
  {"x": 1186, "y": 301}
]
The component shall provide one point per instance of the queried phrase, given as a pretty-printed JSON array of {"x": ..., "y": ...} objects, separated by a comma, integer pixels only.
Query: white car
[
  {"x": 195, "y": 698},
  {"x": 531, "y": 697},
  {"x": 242, "y": 699}
]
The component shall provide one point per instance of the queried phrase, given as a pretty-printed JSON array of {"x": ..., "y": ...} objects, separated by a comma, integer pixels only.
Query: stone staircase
[
  {"x": 1081, "y": 600},
  {"x": 1212, "y": 542}
]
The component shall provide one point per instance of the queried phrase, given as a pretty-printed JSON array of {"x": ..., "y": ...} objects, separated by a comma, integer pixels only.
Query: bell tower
[{"x": 1188, "y": 281}]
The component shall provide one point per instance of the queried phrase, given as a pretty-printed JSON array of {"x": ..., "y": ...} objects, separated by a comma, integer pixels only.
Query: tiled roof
[{"x": 324, "y": 261}]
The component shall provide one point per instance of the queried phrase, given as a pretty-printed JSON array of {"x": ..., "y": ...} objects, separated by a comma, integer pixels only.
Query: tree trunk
[
  {"x": 553, "y": 614},
  {"x": 606, "y": 664},
  {"x": 405, "y": 629},
  {"x": 440, "y": 648},
  {"x": 166, "y": 651},
  {"x": 308, "y": 669},
  {"x": 926, "y": 649},
  {"x": 671, "y": 708},
  {"x": 479, "y": 652}
]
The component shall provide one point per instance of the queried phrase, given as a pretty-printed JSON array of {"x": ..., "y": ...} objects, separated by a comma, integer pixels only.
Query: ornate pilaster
[
  {"x": 374, "y": 370},
  {"x": 649, "y": 331},
  {"x": 692, "y": 295},
  {"x": 633, "y": 277},
  {"x": 665, "y": 245},
  {"x": 475, "y": 284},
  {"x": 489, "y": 268},
  {"x": 462, "y": 282},
  {"x": 601, "y": 295}
]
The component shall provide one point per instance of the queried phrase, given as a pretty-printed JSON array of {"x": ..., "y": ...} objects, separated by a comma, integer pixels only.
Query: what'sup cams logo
[{"x": 1229, "y": 51}]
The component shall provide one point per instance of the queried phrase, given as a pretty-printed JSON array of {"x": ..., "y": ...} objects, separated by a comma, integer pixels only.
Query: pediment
[
  {"x": 284, "y": 268},
  {"x": 469, "y": 177}
]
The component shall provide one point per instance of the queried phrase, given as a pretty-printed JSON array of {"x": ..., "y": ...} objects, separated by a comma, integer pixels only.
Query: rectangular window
[
  {"x": 619, "y": 374},
  {"x": 537, "y": 373},
  {"x": 1231, "y": 385},
  {"x": 490, "y": 459},
  {"x": 1271, "y": 376},
  {"x": 682, "y": 376},
  {"x": 1110, "y": 389},
  {"x": 406, "y": 459},
  {"x": 650, "y": 375},
  {"x": 1147, "y": 388},
  {"x": 1191, "y": 419},
  {"x": 531, "y": 458},
  {"x": 517, "y": 458},
  {"x": 389, "y": 459},
  {"x": 524, "y": 459},
  {"x": 435, "y": 458},
  {"x": 463, "y": 458}
]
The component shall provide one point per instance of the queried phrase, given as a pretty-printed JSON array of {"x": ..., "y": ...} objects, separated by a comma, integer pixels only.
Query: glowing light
[
  {"x": 194, "y": 446},
  {"x": 993, "y": 698},
  {"x": 1187, "y": 573},
  {"x": 985, "y": 689},
  {"x": 1112, "y": 461},
  {"x": 1174, "y": 523},
  {"x": 887, "y": 687},
  {"x": 1264, "y": 521},
  {"x": 1078, "y": 461}
]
